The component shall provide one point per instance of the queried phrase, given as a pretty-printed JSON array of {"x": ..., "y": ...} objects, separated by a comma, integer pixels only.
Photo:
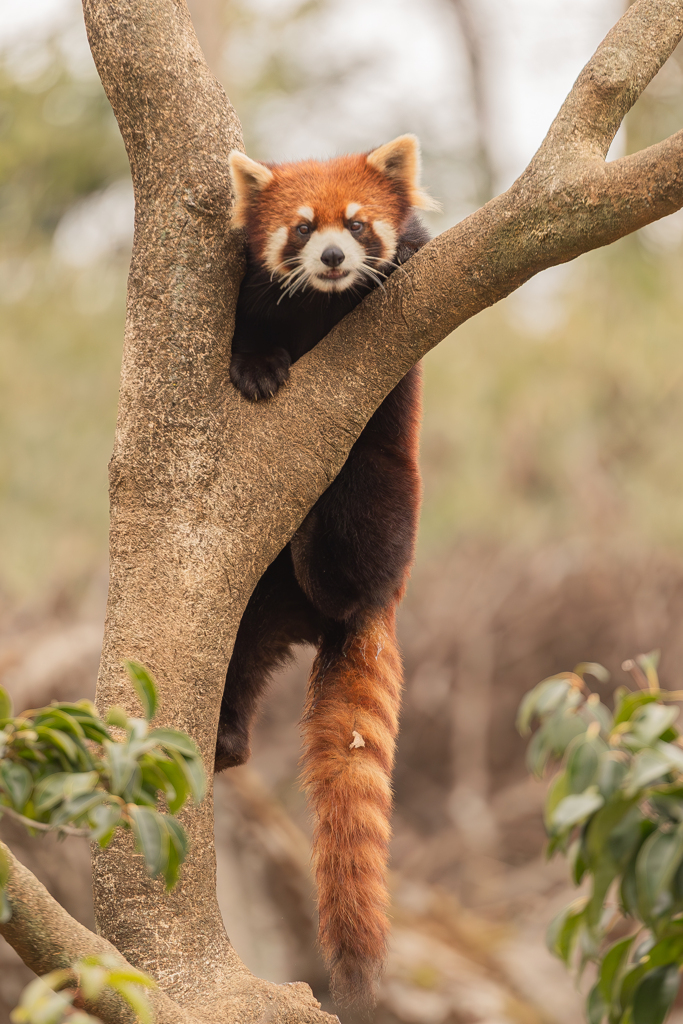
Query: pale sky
[
  {"x": 537, "y": 48},
  {"x": 406, "y": 75}
]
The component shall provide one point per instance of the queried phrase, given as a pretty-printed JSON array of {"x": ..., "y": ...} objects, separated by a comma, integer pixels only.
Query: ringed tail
[{"x": 349, "y": 728}]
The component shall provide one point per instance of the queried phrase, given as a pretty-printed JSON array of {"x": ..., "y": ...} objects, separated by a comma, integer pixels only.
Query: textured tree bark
[{"x": 206, "y": 488}]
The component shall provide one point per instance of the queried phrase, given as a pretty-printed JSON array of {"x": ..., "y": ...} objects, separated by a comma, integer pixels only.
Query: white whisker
[{"x": 293, "y": 283}]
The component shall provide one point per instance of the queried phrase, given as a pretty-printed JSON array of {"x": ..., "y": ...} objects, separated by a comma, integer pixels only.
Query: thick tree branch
[
  {"x": 206, "y": 488},
  {"x": 47, "y": 938}
]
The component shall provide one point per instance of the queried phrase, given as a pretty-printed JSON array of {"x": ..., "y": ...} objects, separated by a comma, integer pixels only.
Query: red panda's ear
[
  {"x": 248, "y": 179},
  {"x": 401, "y": 159}
]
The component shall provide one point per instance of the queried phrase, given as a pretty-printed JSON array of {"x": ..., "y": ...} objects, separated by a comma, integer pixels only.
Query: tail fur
[{"x": 349, "y": 726}]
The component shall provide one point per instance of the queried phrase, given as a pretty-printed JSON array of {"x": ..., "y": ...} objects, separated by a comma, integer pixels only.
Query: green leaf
[
  {"x": 4, "y": 868},
  {"x": 575, "y": 808},
  {"x": 117, "y": 716},
  {"x": 62, "y": 786},
  {"x": 103, "y": 821},
  {"x": 603, "y": 824},
  {"x": 5, "y": 704},
  {"x": 55, "y": 718},
  {"x": 612, "y": 963},
  {"x": 123, "y": 770},
  {"x": 60, "y": 740},
  {"x": 17, "y": 782},
  {"x": 652, "y": 721},
  {"x": 594, "y": 669},
  {"x": 172, "y": 871},
  {"x": 543, "y": 699},
  {"x": 152, "y": 838},
  {"x": 667, "y": 951},
  {"x": 91, "y": 979},
  {"x": 145, "y": 687},
  {"x": 629, "y": 890},
  {"x": 175, "y": 779},
  {"x": 77, "y": 808},
  {"x": 629, "y": 703},
  {"x": 600, "y": 714},
  {"x": 537, "y": 754},
  {"x": 649, "y": 663},
  {"x": 655, "y": 995},
  {"x": 193, "y": 770},
  {"x": 131, "y": 975},
  {"x": 577, "y": 861},
  {"x": 5, "y": 909},
  {"x": 595, "y": 1005},
  {"x": 656, "y": 866},
  {"x": 647, "y": 766},
  {"x": 563, "y": 930},
  {"x": 611, "y": 775},
  {"x": 583, "y": 763},
  {"x": 40, "y": 1004},
  {"x": 673, "y": 753},
  {"x": 604, "y": 874},
  {"x": 135, "y": 998},
  {"x": 626, "y": 836},
  {"x": 172, "y": 739},
  {"x": 557, "y": 791}
]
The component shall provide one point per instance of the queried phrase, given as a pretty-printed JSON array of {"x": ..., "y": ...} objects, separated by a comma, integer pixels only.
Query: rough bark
[{"x": 206, "y": 488}]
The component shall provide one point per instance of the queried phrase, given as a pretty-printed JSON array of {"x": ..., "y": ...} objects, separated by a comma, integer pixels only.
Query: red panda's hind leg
[{"x": 277, "y": 616}]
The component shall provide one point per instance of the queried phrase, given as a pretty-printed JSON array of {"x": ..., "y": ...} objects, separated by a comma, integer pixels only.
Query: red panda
[{"x": 320, "y": 236}]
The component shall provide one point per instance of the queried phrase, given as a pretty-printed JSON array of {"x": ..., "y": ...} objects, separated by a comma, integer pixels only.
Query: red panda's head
[{"x": 328, "y": 224}]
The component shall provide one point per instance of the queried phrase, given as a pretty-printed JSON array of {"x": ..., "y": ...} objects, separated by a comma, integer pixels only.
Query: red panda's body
[{"x": 320, "y": 236}]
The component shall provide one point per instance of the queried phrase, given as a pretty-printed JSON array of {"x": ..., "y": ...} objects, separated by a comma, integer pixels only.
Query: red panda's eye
[
  {"x": 303, "y": 229},
  {"x": 356, "y": 226}
]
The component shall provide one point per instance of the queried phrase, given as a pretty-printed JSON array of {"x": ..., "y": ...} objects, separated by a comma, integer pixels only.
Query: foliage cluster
[
  {"x": 615, "y": 809},
  {"x": 62, "y": 769},
  {"x": 50, "y": 999},
  {"x": 567, "y": 426}
]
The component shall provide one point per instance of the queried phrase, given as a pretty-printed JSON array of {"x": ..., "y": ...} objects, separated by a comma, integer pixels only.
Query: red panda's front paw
[{"x": 259, "y": 376}]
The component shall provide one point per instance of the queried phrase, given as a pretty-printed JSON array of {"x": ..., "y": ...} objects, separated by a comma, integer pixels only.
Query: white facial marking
[
  {"x": 272, "y": 255},
  {"x": 352, "y": 209},
  {"x": 354, "y": 258},
  {"x": 306, "y": 212},
  {"x": 387, "y": 236}
]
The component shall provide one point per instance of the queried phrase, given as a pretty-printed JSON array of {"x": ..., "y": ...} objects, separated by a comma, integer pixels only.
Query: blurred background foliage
[
  {"x": 556, "y": 413},
  {"x": 552, "y": 530}
]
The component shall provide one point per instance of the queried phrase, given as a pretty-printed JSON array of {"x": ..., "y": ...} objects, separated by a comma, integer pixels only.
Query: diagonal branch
[{"x": 47, "y": 938}]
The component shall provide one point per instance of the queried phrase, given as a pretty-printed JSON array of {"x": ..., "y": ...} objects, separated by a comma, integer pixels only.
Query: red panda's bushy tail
[{"x": 349, "y": 727}]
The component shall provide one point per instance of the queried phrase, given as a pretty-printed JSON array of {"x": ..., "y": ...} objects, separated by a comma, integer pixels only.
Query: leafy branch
[
  {"x": 62, "y": 770},
  {"x": 51, "y": 999},
  {"x": 615, "y": 809}
]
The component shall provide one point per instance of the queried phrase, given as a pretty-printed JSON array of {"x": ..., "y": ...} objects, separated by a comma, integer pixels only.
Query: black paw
[
  {"x": 259, "y": 376},
  {"x": 231, "y": 749}
]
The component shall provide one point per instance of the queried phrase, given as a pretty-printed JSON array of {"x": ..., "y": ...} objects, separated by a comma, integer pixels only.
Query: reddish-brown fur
[
  {"x": 326, "y": 186},
  {"x": 339, "y": 580},
  {"x": 349, "y": 787}
]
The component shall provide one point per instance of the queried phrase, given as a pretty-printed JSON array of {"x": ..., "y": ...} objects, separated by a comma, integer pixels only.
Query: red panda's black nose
[{"x": 333, "y": 256}]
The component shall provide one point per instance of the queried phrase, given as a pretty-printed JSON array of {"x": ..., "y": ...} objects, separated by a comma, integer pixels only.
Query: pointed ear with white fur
[
  {"x": 401, "y": 159},
  {"x": 248, "y": 179}
]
